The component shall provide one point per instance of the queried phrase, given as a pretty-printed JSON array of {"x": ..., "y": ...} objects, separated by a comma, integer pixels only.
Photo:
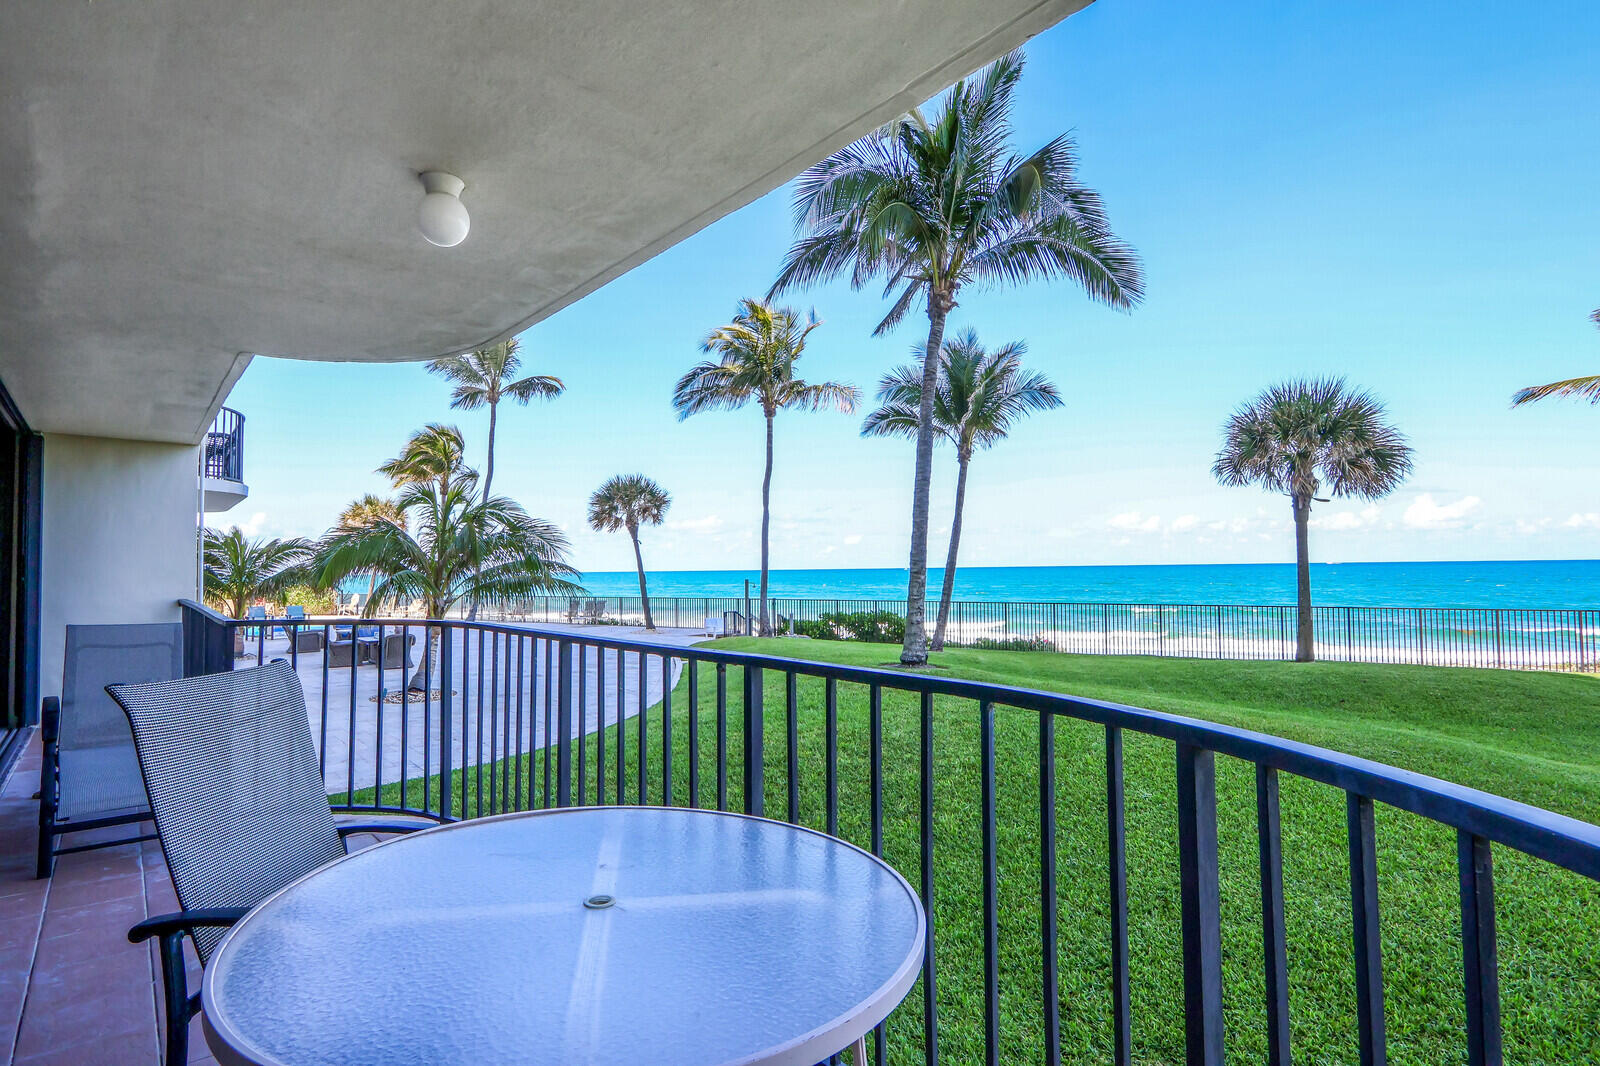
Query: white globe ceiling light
[{"x": 442, "y": 217}]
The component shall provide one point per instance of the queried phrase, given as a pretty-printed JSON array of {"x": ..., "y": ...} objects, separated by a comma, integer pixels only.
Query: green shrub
[
  {"x": 1007, "y": 644},
  {"x": 876, "y": 627}
]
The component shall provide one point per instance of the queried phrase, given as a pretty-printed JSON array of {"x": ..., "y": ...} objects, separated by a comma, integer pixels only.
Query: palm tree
[
  {"x": 756, "y": 354},
  {"x": 367, "y": 511},
  {"x": 481, "y": 379},
  {"x": 435, "y": 453},
  {"x": 628, "y": 501},
  {"x": 979, "y": 396},
  {"x": 1588, "y": 387},
  {"x": 1303, "y": 437},
  {"x": 238, "y": 571},
  {"x": 933, "y": 206},
  {"x": 451, "y": 546}
]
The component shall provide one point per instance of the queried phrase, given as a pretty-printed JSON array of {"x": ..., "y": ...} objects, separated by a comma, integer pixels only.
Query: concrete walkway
[{"x": 503, "y": 699}]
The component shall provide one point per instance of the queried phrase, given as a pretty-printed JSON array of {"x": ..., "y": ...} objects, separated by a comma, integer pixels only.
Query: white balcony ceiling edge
[{"x": 184, "y": 181}]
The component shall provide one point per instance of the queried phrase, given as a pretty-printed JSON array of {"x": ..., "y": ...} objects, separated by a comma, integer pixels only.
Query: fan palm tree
[
  {"x": 435, "y": 453},
  {"x": 934, "y": 205},
  {"x": 756, "y": 356},
  {"x": 238, "y": 570},
  {"x": 979, "y": 396},
  {"x": 629, "y": 501},
  {"x": 1588, "y": 387},
  {"x": 1304, "y": 437},
  {"x": 483, "y": 378},
  {"x": 452, "y": 546},
  {"x": 368, "y": 511}
]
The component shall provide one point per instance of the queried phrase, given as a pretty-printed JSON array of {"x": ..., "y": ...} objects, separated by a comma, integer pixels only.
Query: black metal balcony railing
[
  {"x": 472, "y": 743},
  {"x": 222, "y": 454}
]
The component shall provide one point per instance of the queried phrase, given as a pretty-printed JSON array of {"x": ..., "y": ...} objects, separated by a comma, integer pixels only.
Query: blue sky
[{"x": 1402, "y": 194}]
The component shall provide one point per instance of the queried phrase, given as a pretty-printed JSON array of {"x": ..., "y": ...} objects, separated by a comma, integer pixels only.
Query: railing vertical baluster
[
  {"x": 350, "y": 747},
  {"x": 600, "y": 726},
  {"x": 466, "y": 663},
  {"x": 693, "y": 667},
  {"x": 722, "y": 737},
  {"x": 522, "y": 680},
  {"x": 495, "y": 796},
  {"x": 622, "y": 725},
  {"x": 1117, "y": 871},
  {"x": 875, "y": 764},
  {"x": 755, "y": 800},
  {"x": 930, "y": 986},
  {"x": 549, "y": 711},
  {"x": 1364, "y": 909},
  {"x": 791, "y": 705},
  {"x": 666, "y": 731},
  {"x": 322, "y": 746},
  {"x": 1050, "y": 986},
  {"x": 427, "y": 715},
  {"x": 564, "y": 727},
  {"x": 1479, "y": 950},
  {"x": 405, "y": 707},
  {"x": 477, "y": 769},
  {"x": 991, "y": 877},
  {"x": 1274, "y": 941},
  {"x": 446, "y": 723},
  {"x": 831, "y": 744},
  {"x": 643, "y": 724},
  {"x": 1201, "y": 899},
  {"x": 377, "y": 725},
  {"x": 582, "y": 722}
]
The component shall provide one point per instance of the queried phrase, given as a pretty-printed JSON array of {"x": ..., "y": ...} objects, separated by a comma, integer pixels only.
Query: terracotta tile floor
[{"x": 72, "y": 989}]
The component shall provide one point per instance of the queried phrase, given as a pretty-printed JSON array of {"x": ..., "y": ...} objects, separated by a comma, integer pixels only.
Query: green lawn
[{"x": 1533, "y": 737}]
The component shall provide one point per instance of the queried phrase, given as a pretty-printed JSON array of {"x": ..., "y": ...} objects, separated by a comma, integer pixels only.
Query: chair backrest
[
  {"x": 294, "y": 611},
  {"x": 258, "y": 611},
  {"x": 101, "y": 654},
  {"x": 238, "y": 801}
]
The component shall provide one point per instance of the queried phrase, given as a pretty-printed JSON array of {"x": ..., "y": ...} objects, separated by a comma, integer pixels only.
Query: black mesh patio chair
[
  {"x": 89, "y": 777},
  {"x": 239, "y": 805}
]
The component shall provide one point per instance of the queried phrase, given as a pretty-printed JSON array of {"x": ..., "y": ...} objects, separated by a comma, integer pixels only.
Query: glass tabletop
[{"x": 596, "y": 935}]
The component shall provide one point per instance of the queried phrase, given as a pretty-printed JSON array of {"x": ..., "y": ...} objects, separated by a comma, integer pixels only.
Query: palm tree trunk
[
  {"x": 488, "y": 479},
  {"x": 950, "y": 559},
  {"x": 766, "y": 525},
  {"x": 644, "y": 593},
  {"x": 419, "y": 677},
  {"x": 1304, "y": 649},
  {"x": 914, "y": 651}
]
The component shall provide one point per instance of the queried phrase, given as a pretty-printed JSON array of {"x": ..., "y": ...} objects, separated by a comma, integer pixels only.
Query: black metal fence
[
  {"x": 1564, "y": 638},
  {"x": 222, "y": 453},
  {"x": 953, "y": 781}
]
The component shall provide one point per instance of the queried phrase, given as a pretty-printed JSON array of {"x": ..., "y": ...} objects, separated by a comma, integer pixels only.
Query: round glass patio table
[{"x": 595, "y": 935}]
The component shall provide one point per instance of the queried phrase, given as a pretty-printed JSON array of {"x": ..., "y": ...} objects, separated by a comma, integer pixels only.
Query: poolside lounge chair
[
  {"x": 574, "y": 610},
  {"x": 594, "y": 612},
  {"x": 239, "y": 805},
  {"x": 89, "y": 778}
]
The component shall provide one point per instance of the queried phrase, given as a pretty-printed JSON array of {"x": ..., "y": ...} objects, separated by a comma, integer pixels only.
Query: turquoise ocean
[{"x": 1525, "y": 584}]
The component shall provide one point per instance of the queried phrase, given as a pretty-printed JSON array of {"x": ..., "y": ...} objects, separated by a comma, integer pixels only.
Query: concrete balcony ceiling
[{"x": 187, "y": 183}]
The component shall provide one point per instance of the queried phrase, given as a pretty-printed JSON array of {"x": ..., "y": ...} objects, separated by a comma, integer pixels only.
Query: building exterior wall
[{"x": 119, "y": 527}]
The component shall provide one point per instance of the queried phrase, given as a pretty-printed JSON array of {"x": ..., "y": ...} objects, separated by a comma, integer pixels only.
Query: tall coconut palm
[
  {"x": 484, "y": 377},
  {"x": 1588, "y": 387},
  {"x": 629, "y": 501},
  {"x": 435, "y": 453},
  {"x": 1304, "y": 437},
  {"x": 238, "y": 570},
  {"x": 979, "y": 396},
  {"x": 756, "y": 357},
  {"x": 367, "y": 511},
  {"x": 932, "y": 206},
  {"x": 452, "y": 546}
]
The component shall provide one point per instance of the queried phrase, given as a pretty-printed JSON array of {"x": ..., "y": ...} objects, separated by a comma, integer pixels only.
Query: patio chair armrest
[
  {"x": 50, "y": 719},
  {"x": 183, "y": 921},
  {"x": 377, "y": 827}
]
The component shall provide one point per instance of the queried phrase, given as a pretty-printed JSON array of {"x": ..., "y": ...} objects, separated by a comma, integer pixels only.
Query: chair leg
[
  {"x": 47, "y": 815},
  {"x": 175, "y": 994}
]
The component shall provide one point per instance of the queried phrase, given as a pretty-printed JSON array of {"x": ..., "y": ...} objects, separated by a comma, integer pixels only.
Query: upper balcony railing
[
  {"x": 222, "y": 454},
  {"x": 1040, "y": 828}
]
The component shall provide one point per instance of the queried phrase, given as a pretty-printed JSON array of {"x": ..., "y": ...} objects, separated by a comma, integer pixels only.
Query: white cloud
[
  {"x": 1343, "y": 521},
  {"x": 1526, "y": 528},
  {"x": 1427, "y": 513},
  {"x": 252, "y": 526},
  {"x": 1587, "y": 520},
  {"x": 1134, "y": 522},
  {"x": 1183, "y": 523},
  {"x": 708, "y": 524},
  {"x": 854, "y": 538}
]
